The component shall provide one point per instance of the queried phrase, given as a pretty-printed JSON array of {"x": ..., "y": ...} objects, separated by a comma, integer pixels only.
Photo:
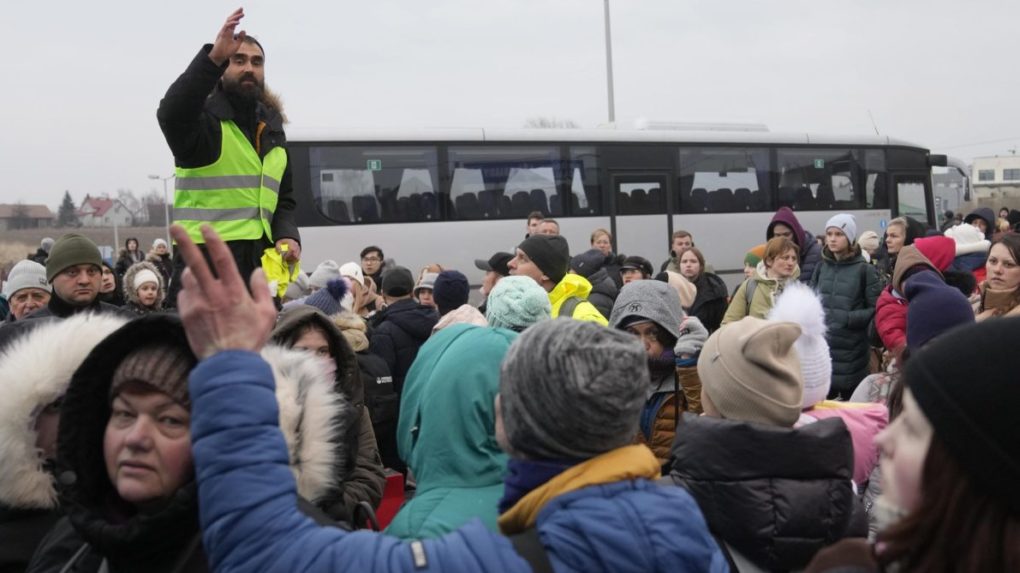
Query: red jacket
[{"x": 891, "y": 319}]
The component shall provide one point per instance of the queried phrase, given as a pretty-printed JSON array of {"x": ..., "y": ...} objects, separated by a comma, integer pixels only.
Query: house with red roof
[{"x": 104, "y": 212}]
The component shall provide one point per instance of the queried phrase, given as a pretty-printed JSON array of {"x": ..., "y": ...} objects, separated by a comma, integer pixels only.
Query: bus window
[
  {"x": 820, "y": 179},
  {"x": 585, "y": 192},
  {"x": 724, "y": 180},
  {"x": 910, "y": 197},
  {"x": 353, "y": 184},
  {"x": 504, "y": 182},
  {"x": 872, "y": 162}
]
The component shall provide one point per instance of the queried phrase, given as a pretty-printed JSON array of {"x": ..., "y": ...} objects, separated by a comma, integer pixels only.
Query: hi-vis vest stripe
[{"x": 236, "y": 195}]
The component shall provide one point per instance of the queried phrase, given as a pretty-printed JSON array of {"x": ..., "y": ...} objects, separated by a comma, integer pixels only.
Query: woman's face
[
  {"x": 603, "y": 244},
  {"x": 631, "y": 275},
  {"x": 371, "y": 262},
  {"x": 147, "y": 446},
  {"x": 161, "y": 249},
  {"x": 147, "y": 294},
  {"x": 784, "y": 265},
  {"x": 313, "y": 340},
  {"x": 690, "y": 267},
  {"x": 109, "y": 281},
  {"x": 894, "y": 237},
  {"x": 132, "y": 245},
  {"x": 904, "y": 445},
  {"x": 836, "y": 241},
  {"x": 425, "y": 297},
  {"x": 748, "y": 271},
  {"x": 1003, "y": 271},
  {"x": 1003, "y": 213}
]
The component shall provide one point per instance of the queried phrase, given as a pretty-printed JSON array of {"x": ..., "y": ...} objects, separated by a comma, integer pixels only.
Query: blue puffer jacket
[{"x": 250, "y": 522}]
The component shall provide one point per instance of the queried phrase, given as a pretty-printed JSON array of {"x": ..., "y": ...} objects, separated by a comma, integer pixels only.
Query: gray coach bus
[{"x": 452, "y": 196}]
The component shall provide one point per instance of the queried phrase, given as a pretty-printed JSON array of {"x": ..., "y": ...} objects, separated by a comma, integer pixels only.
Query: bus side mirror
[{"x": 938, "y": 161}]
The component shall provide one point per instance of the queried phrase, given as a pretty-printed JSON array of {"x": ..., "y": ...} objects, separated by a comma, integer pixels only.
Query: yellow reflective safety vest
[{"x": 236, "y": 195}]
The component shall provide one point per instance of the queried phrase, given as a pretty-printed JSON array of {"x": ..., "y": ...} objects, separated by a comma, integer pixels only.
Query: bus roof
[{"x": 319, "y": 134}]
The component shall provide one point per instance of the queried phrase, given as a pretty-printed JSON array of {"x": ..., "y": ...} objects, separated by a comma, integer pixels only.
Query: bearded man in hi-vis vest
[{"x": 225, "y": 130}]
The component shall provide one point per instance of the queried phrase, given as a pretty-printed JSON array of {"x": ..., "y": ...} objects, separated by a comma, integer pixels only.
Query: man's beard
[{"x": 249, "y": 92}]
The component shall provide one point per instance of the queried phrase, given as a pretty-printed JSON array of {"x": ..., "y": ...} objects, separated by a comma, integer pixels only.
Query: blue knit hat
[
  {"x": 517, "y": 302},
  {"x": 450, "y": 291},
  {"x": 934, "y": 308},
  {"x": 328, "y": 299}
]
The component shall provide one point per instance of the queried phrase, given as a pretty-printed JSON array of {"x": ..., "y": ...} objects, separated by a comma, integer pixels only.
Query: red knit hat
[{"x": 938, "y": 249}]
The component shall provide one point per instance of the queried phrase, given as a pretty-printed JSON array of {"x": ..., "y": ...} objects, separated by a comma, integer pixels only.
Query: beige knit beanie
[{"x": 751, "y": 372}]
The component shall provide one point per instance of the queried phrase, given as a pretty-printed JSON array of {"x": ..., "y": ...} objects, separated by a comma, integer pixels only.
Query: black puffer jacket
[
  {"x": 711, "y": 301},
  {"x": 775, "y": 495},
  {"x": 849, "y": 289},
  {"x": 603, "y": 291},
  {"x": 398, "y": 331}
]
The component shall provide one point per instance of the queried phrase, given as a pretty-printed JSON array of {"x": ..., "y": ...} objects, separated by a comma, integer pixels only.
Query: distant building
[
  {"x": 104, "y": 212},
  {"x": 997, "y": 176},
  {"x": 21, "y": 216}
]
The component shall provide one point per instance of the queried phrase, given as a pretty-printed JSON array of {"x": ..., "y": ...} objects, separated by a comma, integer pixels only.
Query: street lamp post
[
  {"x": 609, "y": 66},
  {"x": 166, "y": 209}
]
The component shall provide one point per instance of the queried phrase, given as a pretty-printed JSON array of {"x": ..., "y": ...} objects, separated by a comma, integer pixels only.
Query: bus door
[
  {"x": 914, "y": 196},
  {"x": 641, "y": 221}
]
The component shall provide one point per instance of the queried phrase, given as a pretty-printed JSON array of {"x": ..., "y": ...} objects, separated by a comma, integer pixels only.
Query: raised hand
[
  {"x": 227, "y": 42},
  {"x": 219, "y": 313}
]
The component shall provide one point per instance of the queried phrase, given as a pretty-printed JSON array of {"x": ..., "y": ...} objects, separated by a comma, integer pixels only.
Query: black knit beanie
[
  {"x": 550, "y": 253},
  {"x": 965, "y": 385},
  {"x": 162, "y": 366}
]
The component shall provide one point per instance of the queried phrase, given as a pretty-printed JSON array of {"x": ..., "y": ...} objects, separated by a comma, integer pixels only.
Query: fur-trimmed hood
[
  {"x": 131, "y": 294},
  {"x": 36, "y": 370},
  {"x": 312, "y": 419}
]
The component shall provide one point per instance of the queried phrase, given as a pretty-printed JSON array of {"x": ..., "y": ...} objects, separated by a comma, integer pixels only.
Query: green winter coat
[
  {"x": 447, "y": 432},
  {"x": 849, "y": 290},
  {"x": 763, "y": 298}
]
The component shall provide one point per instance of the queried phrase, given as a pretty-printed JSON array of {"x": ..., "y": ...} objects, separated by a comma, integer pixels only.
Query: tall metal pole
[{"x": 609, "y": 66}]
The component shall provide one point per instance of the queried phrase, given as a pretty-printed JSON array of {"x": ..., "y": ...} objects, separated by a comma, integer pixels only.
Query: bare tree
[
  {"x": 154, "y": 208},
  {"x": 20, "y": 217},
  {"x": 541, "y": 122}
]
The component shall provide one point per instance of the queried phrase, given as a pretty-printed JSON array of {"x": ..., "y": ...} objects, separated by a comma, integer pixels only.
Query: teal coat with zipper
[{"x": 447, "y": 432}]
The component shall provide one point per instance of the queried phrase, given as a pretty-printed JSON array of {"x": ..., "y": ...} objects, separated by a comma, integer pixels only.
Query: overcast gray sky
[{"x": 82, "y": 79}]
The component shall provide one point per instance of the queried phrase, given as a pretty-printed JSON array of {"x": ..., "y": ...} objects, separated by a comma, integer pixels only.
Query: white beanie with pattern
[{"x": 800, "y": 304}]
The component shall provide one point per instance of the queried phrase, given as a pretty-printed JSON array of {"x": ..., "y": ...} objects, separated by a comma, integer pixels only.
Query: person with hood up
[
  {"x": 516, "y": 303},
  {"x": 971, "y": 250},
  {"x": 773, "y": 494},
  {"x": 591, "y": 265},
  {"x": 36, "y": 369},
  {"x": 451, "y": 296},
  {"x": 111, "y": 287},
  {"x": 546, "y": 259},
  {"x": 849, "y": 288},
  {"x": 125, "y": 466},
  {"x": 143, "y": 289},
  {"x": 446, "y": 432},
  {"x": 424, "y": 289},
  {"x": 758, "y": 294},
  {"x": 650, "y": 310},
  {"x": 950, "y": 463},
  {"x": 26, "y": 289},
  {"x": 785, "y": 224},
  {"x": 984, "y": 219},
  {"x": 359, "y": 465},
  {"x": 129, "y": 256},
  {"x": 711, "y": 298},
  {"x": 934, "y": 253},
  {"x": 566, "y": 413}
]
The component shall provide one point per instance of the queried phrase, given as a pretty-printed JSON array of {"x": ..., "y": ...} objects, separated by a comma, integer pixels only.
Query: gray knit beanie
[
  {"x": 652, "y": 300},
  {"x": 572, "y": 390}
]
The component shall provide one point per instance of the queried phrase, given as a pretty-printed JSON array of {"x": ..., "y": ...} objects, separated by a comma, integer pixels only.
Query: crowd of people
[
  {"x": 848, "y": 407},
  {"x": 790, "y": 424}
]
